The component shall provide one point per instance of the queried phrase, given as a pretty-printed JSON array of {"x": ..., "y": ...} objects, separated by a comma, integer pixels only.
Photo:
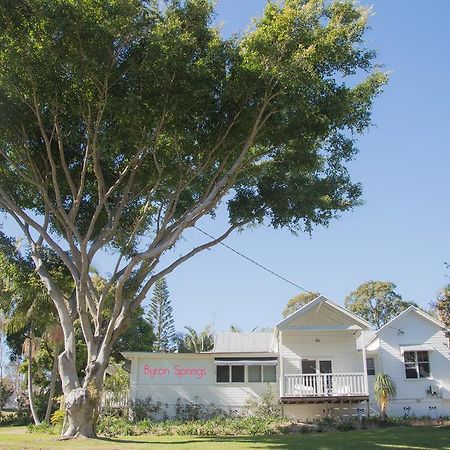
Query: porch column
[
  {"x": 281, "y": 368},
  {"x": 363, "y": 344}
]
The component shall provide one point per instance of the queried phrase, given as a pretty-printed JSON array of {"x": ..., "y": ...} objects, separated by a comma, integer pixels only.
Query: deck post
[
  {"x": 363, "y": 346},
  {"x": 368, "y": 407}
]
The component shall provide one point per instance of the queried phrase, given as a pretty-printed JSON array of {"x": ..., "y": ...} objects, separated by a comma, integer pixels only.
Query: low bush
[
  {"x": 147, "y": 409},
  {"x": 218, "y": 426},
  {"x": 386, "y": 421},
  {"x": 43, "y": 427}
]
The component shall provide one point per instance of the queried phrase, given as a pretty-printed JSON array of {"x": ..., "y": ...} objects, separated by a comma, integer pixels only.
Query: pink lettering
[
  {"x": 155, "y": 371},
  {"x": 181, "y": 372}
]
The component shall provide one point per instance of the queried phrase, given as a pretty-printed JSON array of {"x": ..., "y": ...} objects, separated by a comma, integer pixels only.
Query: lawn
[{"x": 414, "y": 438}]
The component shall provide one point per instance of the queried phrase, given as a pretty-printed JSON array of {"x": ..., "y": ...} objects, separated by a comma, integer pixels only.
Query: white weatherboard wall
[
  {"x": 413, "y": 329},
  {"x": 190, "y": 378},
  {"x": 337, "y": 346}
]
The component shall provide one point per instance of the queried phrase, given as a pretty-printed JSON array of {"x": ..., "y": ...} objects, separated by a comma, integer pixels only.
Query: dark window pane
[
  {"x": 424, "y": 369},
  {"x": 308, "y": 366},
  {"x": 422, "y": 356},
  {"x": 325, "y": 367},
  {"x": 370, "y": 366},
  {"x": 237, "y": 374},
  {"x": 254, "y": 374},
  {"x": 410, "y": 357},
  {"x": 269, "y": 374},
  {"x": 410, "y": 372},
  {"x": 223, "y": 374}
]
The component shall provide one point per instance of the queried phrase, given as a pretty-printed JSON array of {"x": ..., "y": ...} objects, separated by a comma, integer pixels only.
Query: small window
[
  {"x": 223, "y": 374},
  {"x": 254, "y": 374},
  {"x": 269, "y": 374},
  {"x": 417, "y": 364},
  {"x": 370, "y": 363},
  {"x": 237, "y": 374}
]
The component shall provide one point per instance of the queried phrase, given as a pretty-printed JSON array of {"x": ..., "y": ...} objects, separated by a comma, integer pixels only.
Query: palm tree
[
  {"x": 384, "y": 390},
  {"x": 194, "y": 342}
]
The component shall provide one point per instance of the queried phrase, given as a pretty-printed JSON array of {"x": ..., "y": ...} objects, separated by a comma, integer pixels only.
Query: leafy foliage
[
  {"x": 193, "y": 342},
  {"x": 124, "y": 122},
  {"x": 442, "y": 306},
  {"x": 377, "y": 302},
  {"x": 6, "y": 390},
  {"x": 298, "y": 301},
  {"x": 161, "y": 318},
  {"x": 384, "y": 390}
]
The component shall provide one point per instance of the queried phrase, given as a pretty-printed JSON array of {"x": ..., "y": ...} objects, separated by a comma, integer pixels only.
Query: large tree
[
  {"x": 377, "y": 302},
  {"x": 298, "y": 301},
  {"x": 123, "y": 123}
]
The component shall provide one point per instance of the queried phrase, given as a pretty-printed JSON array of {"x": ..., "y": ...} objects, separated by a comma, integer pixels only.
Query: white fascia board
[
  {"x": 322, "y": 328},
  {"x": 322, "y": 299},
  {"x": 156, "y": 355},
  {"x": 418, "y": 311}
]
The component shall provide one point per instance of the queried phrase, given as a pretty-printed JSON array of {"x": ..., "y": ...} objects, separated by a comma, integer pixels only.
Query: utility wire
[{"x": 254, "y": 262}]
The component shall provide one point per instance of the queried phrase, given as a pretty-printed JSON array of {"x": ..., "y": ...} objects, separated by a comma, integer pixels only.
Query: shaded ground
[{"x": 413, "y": 438}]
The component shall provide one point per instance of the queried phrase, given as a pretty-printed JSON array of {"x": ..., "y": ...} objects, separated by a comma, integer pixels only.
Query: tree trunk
[
  {"x": 30, "y": 382},
  {"x": 51, "y": 394},
  {"x": 81, "y": 405}
]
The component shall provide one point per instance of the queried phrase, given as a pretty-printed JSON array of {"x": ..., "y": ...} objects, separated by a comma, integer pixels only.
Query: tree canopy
[
  {"x": 124, "y": 122},
  {"x": 377, "y": 302},
  {"x": 298, "y": 301}
]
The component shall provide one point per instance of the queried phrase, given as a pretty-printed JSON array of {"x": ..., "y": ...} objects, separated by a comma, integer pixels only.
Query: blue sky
[{"x": 400, "y": 234}]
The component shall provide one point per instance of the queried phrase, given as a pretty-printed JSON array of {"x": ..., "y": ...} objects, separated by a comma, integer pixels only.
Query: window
[
  {"x": 254, "y": 374},
  {"x": 237, "y": 374},
  {"x": 269, "y": 374},
  {"x": 223, "y": 374},
  {"x": 308, "y": 366},
  {"x": 417, "y": 364},
  {"x": 370, "y": 363}
]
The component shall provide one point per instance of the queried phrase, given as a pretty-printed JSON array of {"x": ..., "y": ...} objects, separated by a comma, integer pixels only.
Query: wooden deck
[{"x": 291, "y": 400}]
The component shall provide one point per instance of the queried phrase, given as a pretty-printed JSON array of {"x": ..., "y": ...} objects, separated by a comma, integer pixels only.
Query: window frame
[
  {"x": 246, "y": 380},
  {"x": 373, "y": 368},
  {"x": 416, "y": 365}
]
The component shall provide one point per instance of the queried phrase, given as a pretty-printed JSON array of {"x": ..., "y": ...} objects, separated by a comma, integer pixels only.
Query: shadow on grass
[{"x": 423, "y": 438}]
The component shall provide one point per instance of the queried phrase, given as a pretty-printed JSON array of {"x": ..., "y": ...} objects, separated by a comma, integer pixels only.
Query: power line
[{"x": 254, "y": 262}]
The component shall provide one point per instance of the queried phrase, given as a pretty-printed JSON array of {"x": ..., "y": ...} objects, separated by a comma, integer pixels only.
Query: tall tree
[
  {"x": 124, "y": 122},
  {"x": 161, "y": 318},
  {"x": 442, "y": 306},
  {"x": 377, "y": 302},
  {"x": 298, "y": 301}
]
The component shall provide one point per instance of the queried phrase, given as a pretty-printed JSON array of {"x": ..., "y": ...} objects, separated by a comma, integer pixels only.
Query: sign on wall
[{"x": 176, "y": 371}]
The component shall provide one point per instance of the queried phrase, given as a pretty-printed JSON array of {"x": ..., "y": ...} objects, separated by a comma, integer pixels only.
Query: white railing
[{"x": 324, "y": 384}]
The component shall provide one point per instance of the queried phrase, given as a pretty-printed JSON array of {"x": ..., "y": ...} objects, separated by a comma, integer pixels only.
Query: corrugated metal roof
[{"x": 238, "y": 342}]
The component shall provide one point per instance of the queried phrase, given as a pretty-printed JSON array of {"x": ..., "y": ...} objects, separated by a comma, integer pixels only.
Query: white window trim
[{"x": 430, "y": 375}]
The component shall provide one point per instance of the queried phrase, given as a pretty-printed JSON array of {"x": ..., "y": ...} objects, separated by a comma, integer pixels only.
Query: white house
[
  {"x": 320, "y": 360},
  {"x": 413, "y": 348}
]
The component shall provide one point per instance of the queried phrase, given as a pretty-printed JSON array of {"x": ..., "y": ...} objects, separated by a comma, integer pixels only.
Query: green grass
[{"x": 413, "y": 438}]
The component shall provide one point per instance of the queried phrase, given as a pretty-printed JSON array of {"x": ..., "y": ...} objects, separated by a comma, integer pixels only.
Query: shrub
[
  {"x": 345, "y": 425},
  {"x": 147, "y": 409},
  {"x": 193, "y": 410},
  {"x": 385, "y": 421},
  {"x": 265, "y": 406},
  {"x": 43, "y": 427}
]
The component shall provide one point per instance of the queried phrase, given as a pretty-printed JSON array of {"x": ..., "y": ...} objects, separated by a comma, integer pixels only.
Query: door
[{"x": 326, "y": 369}]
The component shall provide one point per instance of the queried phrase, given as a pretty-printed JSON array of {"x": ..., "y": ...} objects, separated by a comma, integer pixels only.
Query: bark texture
[{"x": 81, "y": 406}]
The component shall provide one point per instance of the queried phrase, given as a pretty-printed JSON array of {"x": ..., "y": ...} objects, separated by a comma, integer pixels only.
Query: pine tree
[{"x": 161, "y": 318}]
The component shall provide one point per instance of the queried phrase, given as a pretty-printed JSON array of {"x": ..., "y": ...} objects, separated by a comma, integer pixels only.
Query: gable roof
[
  {"x": 239, "y": 342},
  {"x": 316, "y": 302},
  {"x": 416, "y": 310}
]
